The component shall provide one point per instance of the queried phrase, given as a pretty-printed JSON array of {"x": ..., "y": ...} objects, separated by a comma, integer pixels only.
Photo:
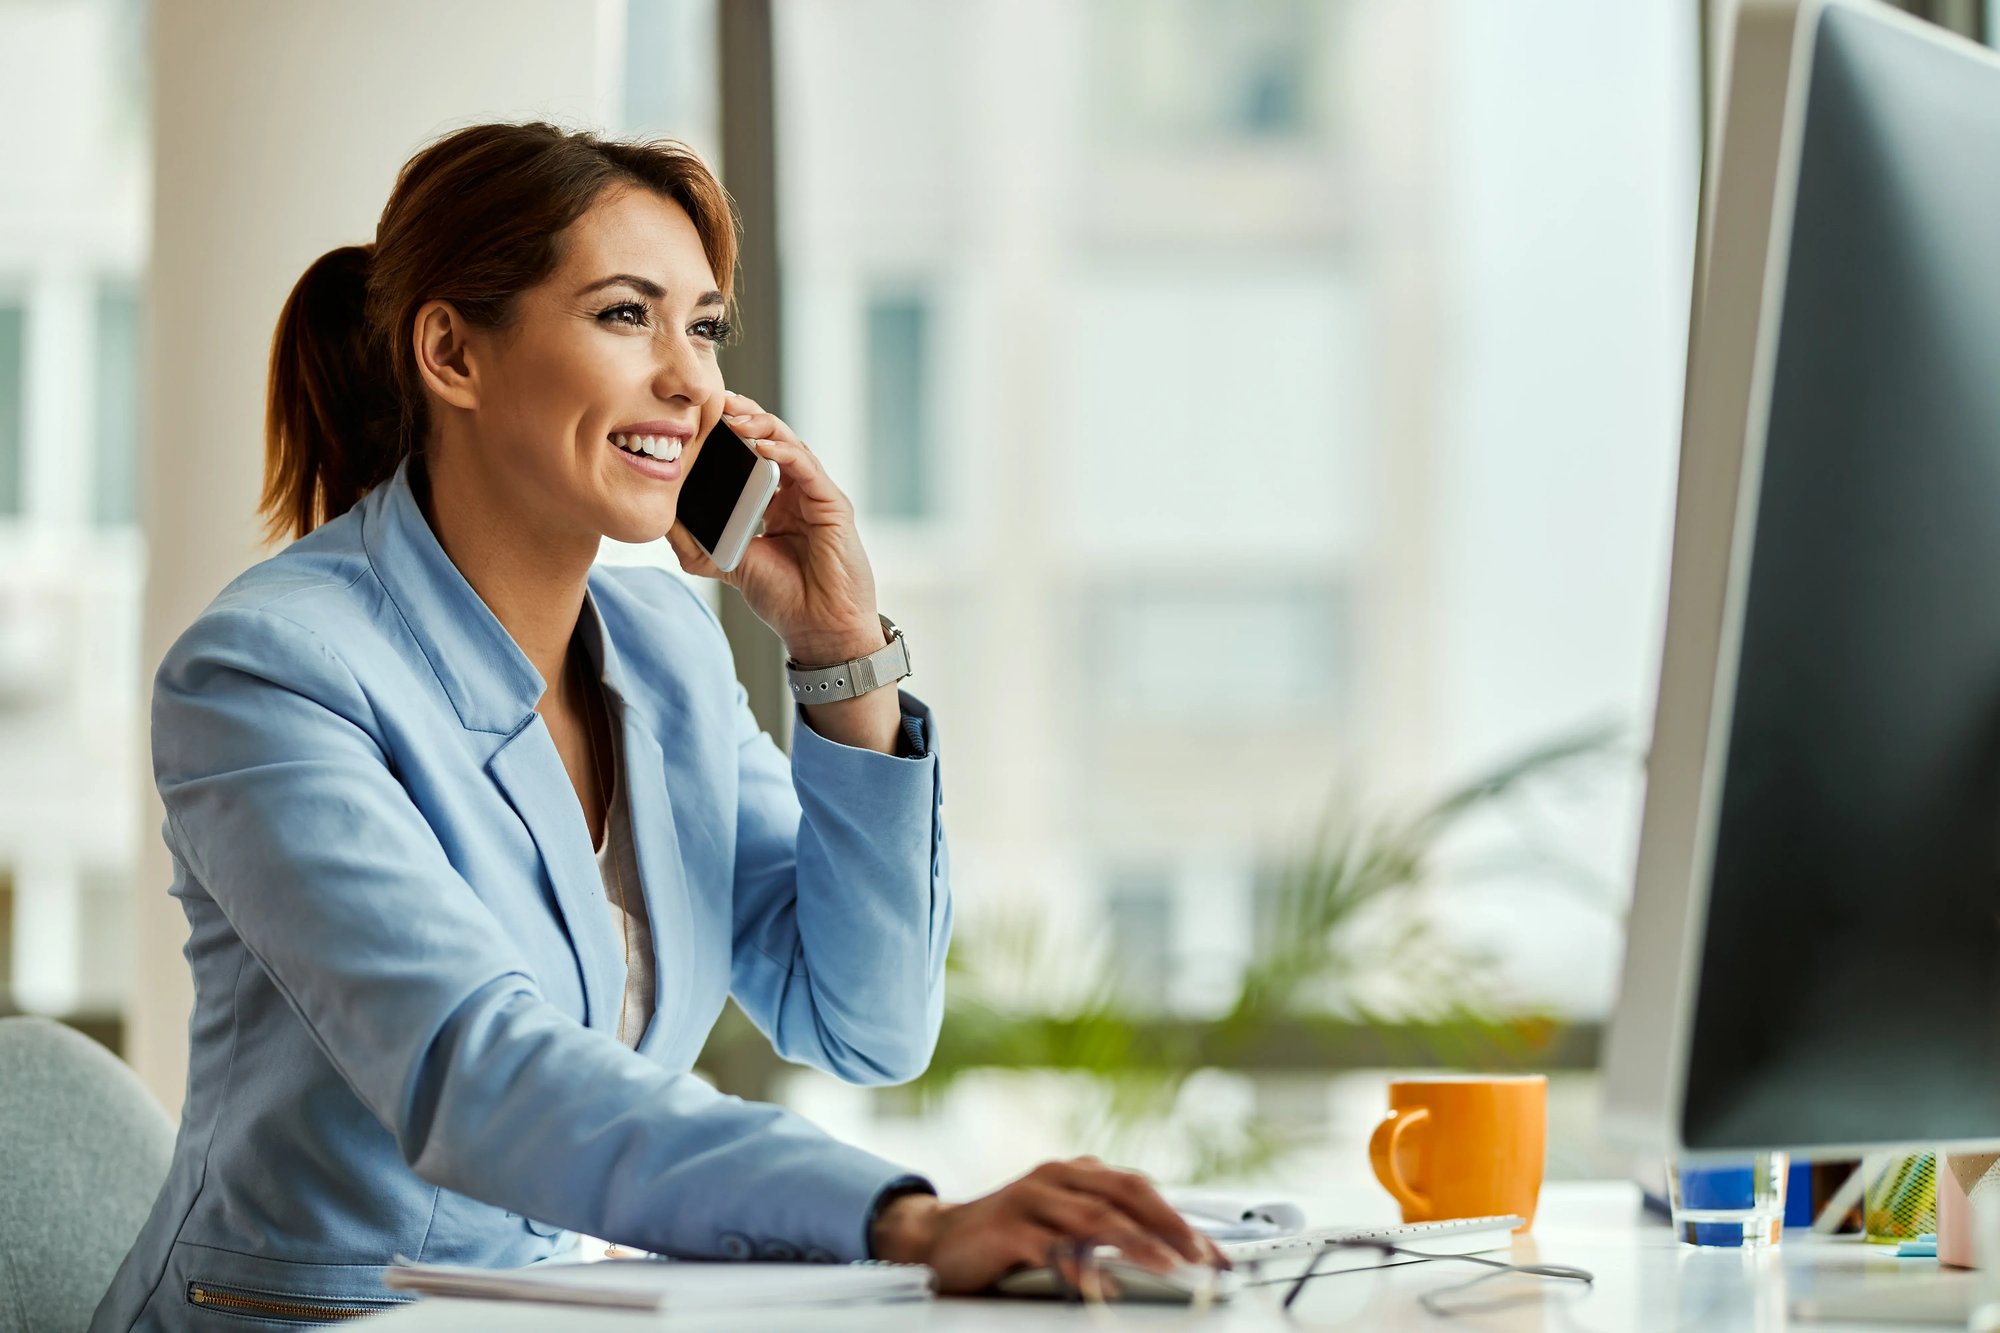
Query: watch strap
[{"x": 854, "y": 678}]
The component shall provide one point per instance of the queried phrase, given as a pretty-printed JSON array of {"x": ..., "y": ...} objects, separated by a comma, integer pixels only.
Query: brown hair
[{"x": 475, "y": 219}]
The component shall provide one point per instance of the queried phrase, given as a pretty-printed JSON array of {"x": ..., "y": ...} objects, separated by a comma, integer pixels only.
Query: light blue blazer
[{"x": 407, "y": 978}]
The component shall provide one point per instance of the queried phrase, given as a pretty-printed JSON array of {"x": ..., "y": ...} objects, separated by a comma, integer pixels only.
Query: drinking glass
[{"x": 1737, "y": 1203}]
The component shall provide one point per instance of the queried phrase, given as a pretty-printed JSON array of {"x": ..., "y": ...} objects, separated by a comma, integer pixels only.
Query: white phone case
[{"x": 743, "y": 519}]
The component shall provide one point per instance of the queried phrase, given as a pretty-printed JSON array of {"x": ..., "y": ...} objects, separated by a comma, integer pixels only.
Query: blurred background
[{"x": 1263, "y": 416}]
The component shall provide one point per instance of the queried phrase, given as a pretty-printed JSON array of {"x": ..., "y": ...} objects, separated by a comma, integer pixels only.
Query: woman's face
[{"x": 613, "y": 353}]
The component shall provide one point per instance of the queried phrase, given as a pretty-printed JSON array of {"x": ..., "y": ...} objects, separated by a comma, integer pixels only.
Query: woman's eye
[
  {"x": 716, "y": 330},
  {"x": 630, "y": 313}
]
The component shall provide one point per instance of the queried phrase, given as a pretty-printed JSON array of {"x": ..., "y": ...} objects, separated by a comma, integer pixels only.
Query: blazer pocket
[
  {"x": 230, "y": 1289},
  {"x": 280, "y": 1307}
]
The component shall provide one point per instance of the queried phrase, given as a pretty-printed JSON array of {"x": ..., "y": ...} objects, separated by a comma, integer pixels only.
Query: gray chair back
[{"x": 83, "y": 1151}]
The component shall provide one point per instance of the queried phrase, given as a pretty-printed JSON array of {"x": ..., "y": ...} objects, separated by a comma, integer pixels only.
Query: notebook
[{"x": 670, "y": 1286}]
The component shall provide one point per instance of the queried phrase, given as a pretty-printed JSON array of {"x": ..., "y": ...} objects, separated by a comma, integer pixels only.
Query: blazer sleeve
[
  {"x": 842, "y": 908},
  {"x": 280, "y": 801}
]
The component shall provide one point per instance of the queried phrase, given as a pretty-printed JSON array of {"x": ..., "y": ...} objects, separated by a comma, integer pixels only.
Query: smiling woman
[{"x": 474, "y": 838}]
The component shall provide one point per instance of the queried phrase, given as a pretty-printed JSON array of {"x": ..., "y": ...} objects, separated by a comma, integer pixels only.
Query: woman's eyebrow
[{"x": 645, "y": 287}]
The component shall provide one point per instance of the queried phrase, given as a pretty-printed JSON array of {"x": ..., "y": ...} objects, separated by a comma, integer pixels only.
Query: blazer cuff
[
  {"x": 913, "y": 764},
  {"x": 916, "y": 740},
  {"x": 885, "y": 1196},
  {"x": 822, "y": 1211}
]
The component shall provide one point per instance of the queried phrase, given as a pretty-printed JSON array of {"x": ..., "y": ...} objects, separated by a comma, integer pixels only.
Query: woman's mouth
[{"x": 658, "y": 456}]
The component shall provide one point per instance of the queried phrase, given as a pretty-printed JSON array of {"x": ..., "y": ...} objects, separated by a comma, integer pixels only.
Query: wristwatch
[{"x": 850, "y": 680}]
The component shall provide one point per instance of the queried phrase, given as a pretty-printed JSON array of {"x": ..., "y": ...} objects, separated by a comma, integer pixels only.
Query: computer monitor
[{"x": 1813, "y": 958}]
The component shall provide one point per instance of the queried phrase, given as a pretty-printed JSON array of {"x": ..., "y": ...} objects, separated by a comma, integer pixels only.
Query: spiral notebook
[{"x": 671, "y": 1286}]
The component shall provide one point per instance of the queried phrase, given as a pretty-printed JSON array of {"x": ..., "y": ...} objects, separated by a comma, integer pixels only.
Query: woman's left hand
[{"x": 806, "y": 576}]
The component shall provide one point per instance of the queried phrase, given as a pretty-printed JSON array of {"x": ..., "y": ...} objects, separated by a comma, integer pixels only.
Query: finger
[
  {"x": 1076, "y": 1264},
  {"x": 762, "y": 426},
  {"x": 1068, "y": 1265},
  {"x": 689, "y": 552},
  {"x": 797, "y": 467},
  {"x": 1092, "y": 1218},
  {"x": 1088, "y": 1280},
  {"x": 1145, "y": 1250},
  {"x": 1135, "y": 1196},
  {"x": 1021, "y": 1242},
  {"x": 747, "y": 419}
]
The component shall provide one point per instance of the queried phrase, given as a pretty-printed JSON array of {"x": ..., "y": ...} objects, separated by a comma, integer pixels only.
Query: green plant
[{"x": 1345, "y": 907}]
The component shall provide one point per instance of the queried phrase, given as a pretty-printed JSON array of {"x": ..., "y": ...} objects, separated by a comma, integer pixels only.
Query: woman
[{"x": 474, "y": 838}]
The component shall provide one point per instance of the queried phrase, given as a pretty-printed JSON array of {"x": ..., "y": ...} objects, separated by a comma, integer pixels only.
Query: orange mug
[{"x": 1463, "y": 1146}]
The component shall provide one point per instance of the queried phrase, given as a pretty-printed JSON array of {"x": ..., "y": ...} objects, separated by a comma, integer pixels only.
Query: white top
[{"x": 618, "y": 863}]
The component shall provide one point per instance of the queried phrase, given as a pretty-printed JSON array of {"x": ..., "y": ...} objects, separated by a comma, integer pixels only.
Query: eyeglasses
[
  {"x": 1440, "y": 1301},
  {"x": 1102, "y": 1277}
]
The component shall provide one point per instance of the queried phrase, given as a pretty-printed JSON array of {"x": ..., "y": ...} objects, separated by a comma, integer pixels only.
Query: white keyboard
[{"x": 1420, "y": 1235}]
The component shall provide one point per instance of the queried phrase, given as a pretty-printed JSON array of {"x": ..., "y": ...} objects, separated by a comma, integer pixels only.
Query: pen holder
[{"x": 1902, "y": 1201}]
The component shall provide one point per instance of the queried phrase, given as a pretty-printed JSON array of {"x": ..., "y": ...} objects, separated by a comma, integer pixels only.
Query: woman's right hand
[{"x": 972, "y": 1245}]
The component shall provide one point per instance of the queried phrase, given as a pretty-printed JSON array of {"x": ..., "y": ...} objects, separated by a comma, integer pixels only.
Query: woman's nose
[{"x": 680, "y": 372}]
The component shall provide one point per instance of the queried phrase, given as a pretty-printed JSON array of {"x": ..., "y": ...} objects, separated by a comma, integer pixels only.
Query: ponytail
[{"x": 331, "y": 429}]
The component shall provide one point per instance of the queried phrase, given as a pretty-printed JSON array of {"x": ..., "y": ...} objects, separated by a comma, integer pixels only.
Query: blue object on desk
[
  {"x": 1799, "y": 1196},
  {"x": 1716, "y": 1186},
  {"x": 1730, "y": 1204}
]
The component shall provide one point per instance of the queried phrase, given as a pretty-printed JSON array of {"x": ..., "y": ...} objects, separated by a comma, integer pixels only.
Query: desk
[{"x": 1645, "y": 1282}]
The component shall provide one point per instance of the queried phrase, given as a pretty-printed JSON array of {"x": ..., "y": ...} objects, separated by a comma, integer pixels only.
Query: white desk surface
[{"x": 1645, "y": 1281}]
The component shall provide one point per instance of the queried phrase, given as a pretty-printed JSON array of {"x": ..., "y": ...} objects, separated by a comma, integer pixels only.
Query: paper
[
  {"x": 1223, "y": 1217},
  {"x": 670, "y": 1286}
]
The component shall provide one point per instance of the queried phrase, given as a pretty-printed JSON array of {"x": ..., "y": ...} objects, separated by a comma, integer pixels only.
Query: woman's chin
[
  {"x": 637, "y": 534},
  {"x": 638, "y": 528}
]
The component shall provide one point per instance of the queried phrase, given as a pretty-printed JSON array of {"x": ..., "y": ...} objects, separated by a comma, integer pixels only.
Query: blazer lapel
[
  {"x": 663, "y": 877},
  {"x": 660, "y": 710},
  {"x": 494, "y": 688},
  {"x": 530, "y": 772}
]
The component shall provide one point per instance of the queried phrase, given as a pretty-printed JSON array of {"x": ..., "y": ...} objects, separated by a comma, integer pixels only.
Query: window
[
  {"x": 899, "y": 463},
  {"x": 74, "y": 105},
  {"x": 13, "y": 417},
  {"x": 670, "y": 71},
  {"x": 115, "y": 490},
  {"x": 1175, "y": 71},
  {"x": 1139, "y": 920},
  {"x": 1205, "y": 657},
  {"x": 1302, "y": 379},
  {"x": 1219, "y": 410}
]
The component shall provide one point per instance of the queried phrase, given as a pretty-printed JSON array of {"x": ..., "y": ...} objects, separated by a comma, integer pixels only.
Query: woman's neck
[{"x": 532, "y": 580}]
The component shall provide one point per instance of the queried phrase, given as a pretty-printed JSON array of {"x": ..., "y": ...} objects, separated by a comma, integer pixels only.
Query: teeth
[{"x": 666, "y": 448}]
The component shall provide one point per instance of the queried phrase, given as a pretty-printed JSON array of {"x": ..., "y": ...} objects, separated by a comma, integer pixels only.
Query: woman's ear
[{"x": 443, "y": 355}]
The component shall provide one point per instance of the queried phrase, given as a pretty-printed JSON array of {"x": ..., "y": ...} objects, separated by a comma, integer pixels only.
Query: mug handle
[{"x": 1382, "y": 1156}]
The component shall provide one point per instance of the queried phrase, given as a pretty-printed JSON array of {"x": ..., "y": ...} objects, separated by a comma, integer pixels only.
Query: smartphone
[{"x": 724, "y": 495}]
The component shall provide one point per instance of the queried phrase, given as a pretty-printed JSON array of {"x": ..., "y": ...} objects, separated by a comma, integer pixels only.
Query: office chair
[{"x": 83, "y": 1151}]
